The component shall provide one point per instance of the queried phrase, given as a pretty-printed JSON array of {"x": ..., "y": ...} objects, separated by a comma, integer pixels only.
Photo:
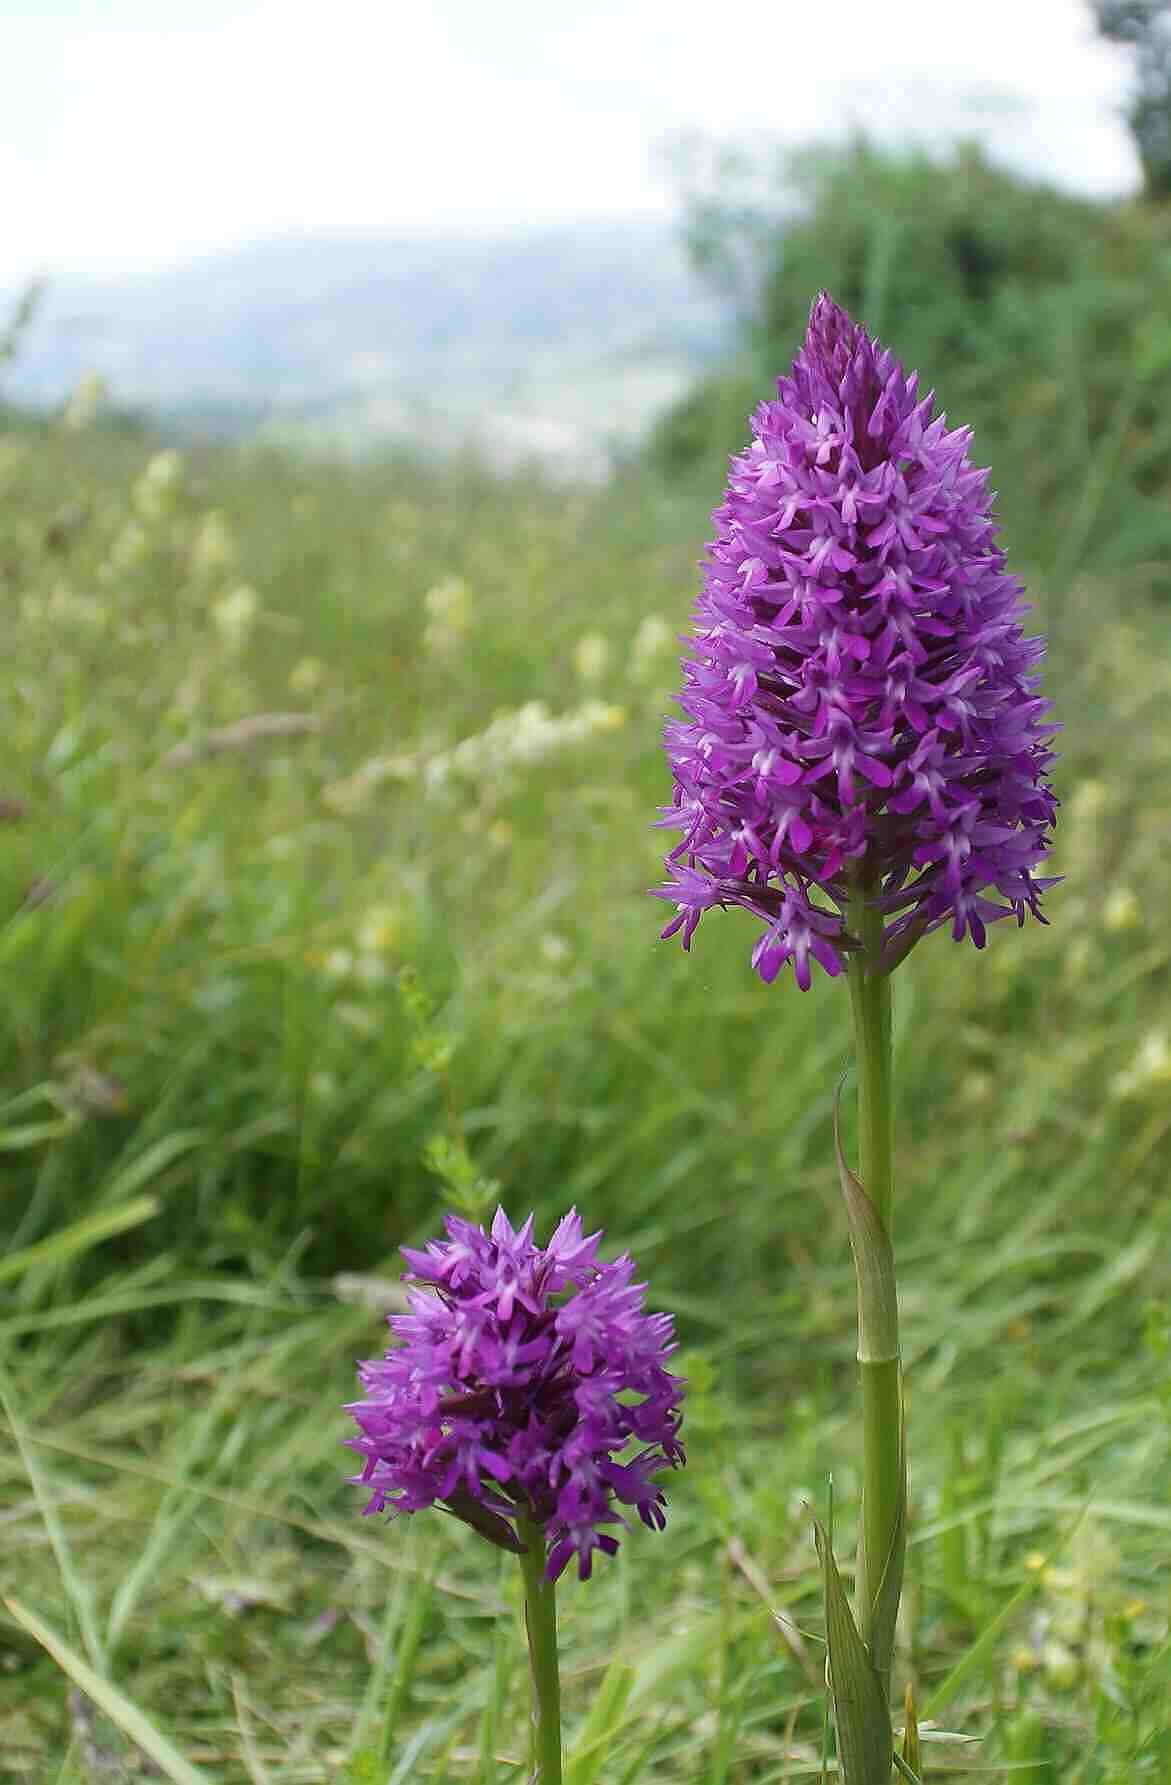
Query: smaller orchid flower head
[
  {"x": 860, "y": 703},
  {"x": 526, "y": 1380}
]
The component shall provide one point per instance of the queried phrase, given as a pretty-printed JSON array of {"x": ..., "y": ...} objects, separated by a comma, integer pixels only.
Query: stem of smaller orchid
[
  {"x": 883, "y": 1463},
  {"x": 541, "y": 1630}
]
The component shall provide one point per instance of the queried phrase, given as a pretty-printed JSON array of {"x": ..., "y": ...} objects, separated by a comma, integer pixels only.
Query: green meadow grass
[{"x": 270, "y": 1000}]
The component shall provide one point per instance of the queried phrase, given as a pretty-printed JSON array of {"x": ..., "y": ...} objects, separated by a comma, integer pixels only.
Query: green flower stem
[
  {"x": 883, "y": 1467},
  {"x": 541, "y": 1629},
  {"x": 870, "y": 998}
]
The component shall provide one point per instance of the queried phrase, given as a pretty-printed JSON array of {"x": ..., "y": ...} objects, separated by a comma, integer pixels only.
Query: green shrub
[{"x": 1044, "y": 319}]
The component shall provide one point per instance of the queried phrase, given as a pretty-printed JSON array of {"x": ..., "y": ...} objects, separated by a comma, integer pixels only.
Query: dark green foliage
[
  {"x": 924, "y": 252},
  {"x": 1039, "y": 318},
  {"x": 1145, "y": 27}
]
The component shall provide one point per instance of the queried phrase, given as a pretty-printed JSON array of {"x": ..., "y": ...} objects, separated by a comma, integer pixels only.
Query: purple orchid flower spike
[
  {"x": 861, "y": 701},
  {"x": 516, "y": 1404}
]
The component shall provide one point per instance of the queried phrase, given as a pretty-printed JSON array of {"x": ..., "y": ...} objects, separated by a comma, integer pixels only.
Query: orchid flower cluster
[
  {"x": 862, "y": 759},
  {"x": 861, "y": 695},
  {"x": 501, "y": 1400}
]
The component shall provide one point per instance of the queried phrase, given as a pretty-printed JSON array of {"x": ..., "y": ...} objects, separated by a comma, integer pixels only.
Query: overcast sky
[{"x": 138, "y": 132}]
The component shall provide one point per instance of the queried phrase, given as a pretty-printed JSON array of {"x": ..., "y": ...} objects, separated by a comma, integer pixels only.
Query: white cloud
[{"x": 382, "y": 114}]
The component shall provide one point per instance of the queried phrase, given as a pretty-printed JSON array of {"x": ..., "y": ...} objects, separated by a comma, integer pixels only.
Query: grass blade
[
  {"x": 80, "y": 1236},
  {"x": 121, "y": 1711}
]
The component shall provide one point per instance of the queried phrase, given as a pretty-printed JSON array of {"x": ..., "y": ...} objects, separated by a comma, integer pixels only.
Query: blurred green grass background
[{"x": 269, "y": 982}]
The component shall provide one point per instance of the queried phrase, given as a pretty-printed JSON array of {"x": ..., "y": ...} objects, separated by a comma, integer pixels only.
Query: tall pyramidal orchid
[
  {"x": 527, "y": 1394},
  {"x": 861, "y": 760}
]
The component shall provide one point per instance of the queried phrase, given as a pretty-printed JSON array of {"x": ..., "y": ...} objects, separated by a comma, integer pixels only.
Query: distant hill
[{"x": 560, "y": 340}]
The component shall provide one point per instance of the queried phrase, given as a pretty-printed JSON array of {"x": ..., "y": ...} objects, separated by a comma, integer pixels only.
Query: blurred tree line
[
  {"x": 1144, "y": 26},
  {"x": 1044, "y": 320}
]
